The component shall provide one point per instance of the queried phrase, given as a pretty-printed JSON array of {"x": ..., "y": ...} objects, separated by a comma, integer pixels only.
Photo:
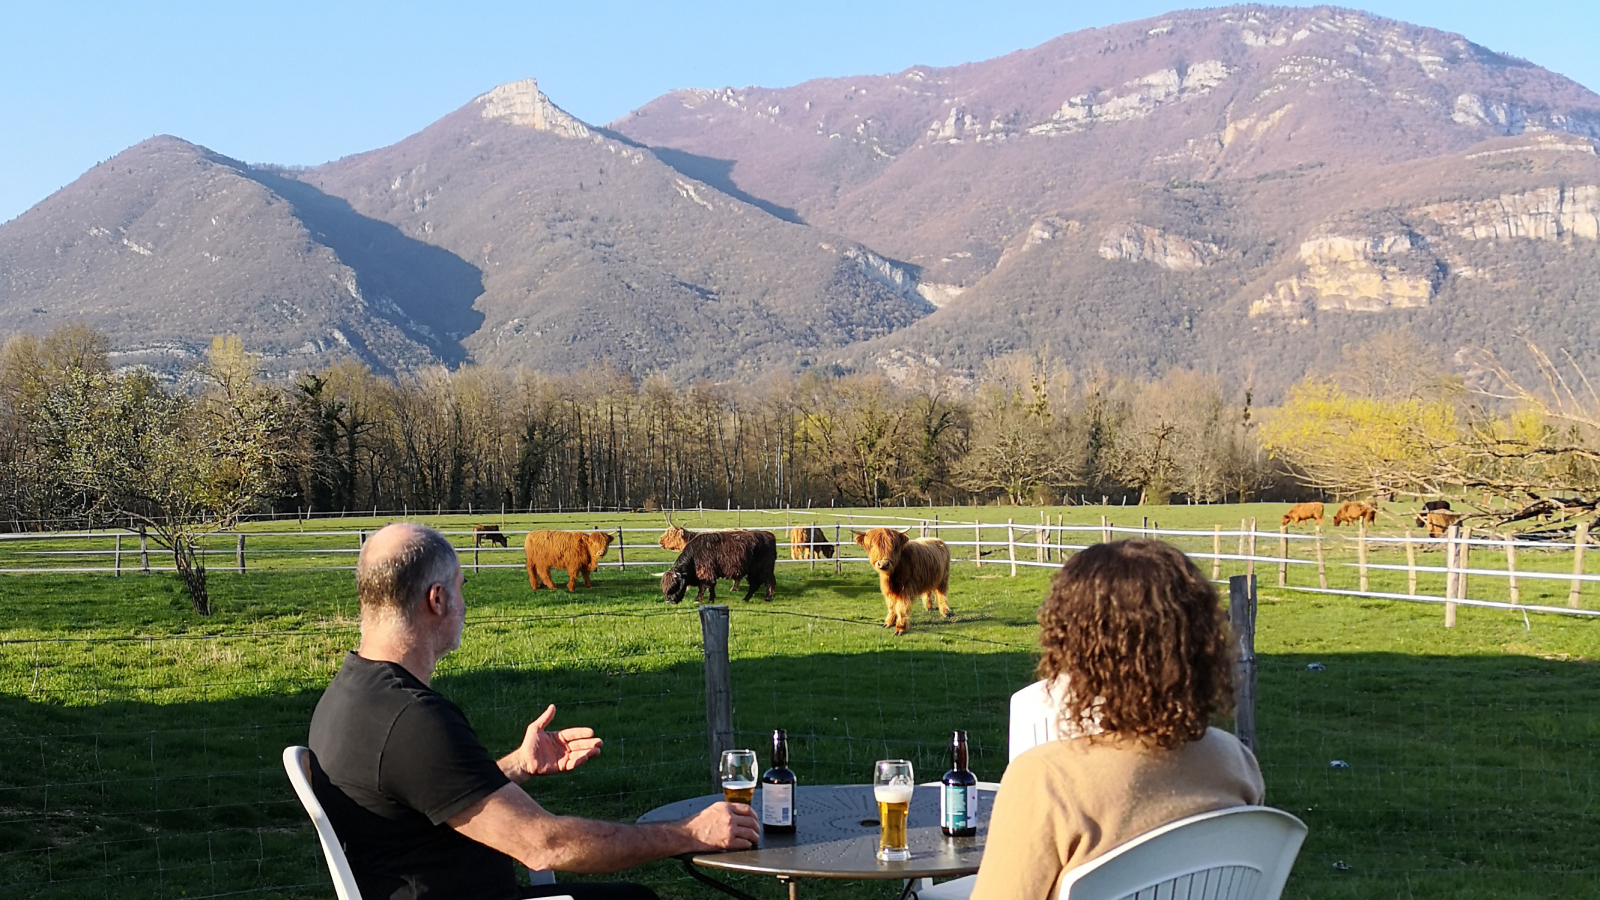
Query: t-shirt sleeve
[
  {"x": 1028, "y": 835},
  {"x": 434, "y": 763}
]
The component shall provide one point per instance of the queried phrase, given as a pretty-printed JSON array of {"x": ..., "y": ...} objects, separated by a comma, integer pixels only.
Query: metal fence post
[
  {"x": 1242, "y": 618},
  {"x": 719, "y": 685}
]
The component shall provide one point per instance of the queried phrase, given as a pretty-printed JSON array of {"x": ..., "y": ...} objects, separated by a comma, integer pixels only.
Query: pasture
[{"x": 139, "y": 743}]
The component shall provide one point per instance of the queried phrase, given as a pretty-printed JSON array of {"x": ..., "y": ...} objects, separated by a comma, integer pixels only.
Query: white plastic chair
[
  {"x": 297, "y": 762},
  {"x": 1033, "y": 717},
  {"x": 1242, "y": 853}
]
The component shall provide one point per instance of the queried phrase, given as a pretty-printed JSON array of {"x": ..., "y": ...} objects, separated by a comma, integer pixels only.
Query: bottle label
[
  {"x": 958, "y": 806},
  {"x": 777, "y": 804}
]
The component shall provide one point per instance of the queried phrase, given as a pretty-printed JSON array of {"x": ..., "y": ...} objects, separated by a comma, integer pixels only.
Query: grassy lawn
[{"x": 139, "y": 743}]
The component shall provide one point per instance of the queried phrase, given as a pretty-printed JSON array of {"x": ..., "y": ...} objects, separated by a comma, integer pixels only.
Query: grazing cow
[
  {"x": 907, "y": 569},
  {"x": 734, "y": 555},
  {"x": 1439, "y": 522},
  {"x": 1432, "y": 505},
  {"x": 1356, "y": 511},
  {"x": 808, "y": 542},
  {"x": 676, "y": 537},
  {"x": 1301, "y": 512},
  {"x": 490, "y": 533},
  {"x": 576, "y": 552}
]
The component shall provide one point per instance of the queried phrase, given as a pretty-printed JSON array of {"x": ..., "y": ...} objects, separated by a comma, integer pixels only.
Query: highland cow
[
  {"x": 575, "y": 551},
  {"x": 676, "y": 537},
  {"x": 1301, "y": 512},
  {"x": 490, "y": 533},
  {"x": 1356, "y": 511},
  {"x": 808, "y": 542},
  {"x": 734, "y": 555},
  {"x": 1439, "y": 522},
  {"x": 907, "y": 569}
]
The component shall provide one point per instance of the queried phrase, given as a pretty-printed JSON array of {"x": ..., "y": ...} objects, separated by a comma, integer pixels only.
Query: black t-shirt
[{"x": 395, "y": 759}]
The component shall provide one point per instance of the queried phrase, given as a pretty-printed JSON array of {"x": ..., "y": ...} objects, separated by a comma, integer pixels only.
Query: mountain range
[{"x": 1247, "y": 189}]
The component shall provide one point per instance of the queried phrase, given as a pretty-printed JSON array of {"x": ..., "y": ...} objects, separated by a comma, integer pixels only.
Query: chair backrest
[
  {"x": 1033, "y": 717},
  {"x": 1243, "y": 853},
  {"x": 297, "y": 762}
]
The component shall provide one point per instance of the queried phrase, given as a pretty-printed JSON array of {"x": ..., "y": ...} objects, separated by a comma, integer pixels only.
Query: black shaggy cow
[
  {"x": 1431, "y": 506},
  {"x": 722, "y": 554}
]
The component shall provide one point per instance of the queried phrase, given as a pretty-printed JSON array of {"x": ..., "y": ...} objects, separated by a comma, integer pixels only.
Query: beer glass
[
  {"x": 738, "y": 775},
  {"x": 892, "y": 785}
]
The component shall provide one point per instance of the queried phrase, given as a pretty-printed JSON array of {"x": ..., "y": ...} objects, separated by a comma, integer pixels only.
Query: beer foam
[
  {"x": 738, "y": 785},
  {"x": 892, "y": 793}
]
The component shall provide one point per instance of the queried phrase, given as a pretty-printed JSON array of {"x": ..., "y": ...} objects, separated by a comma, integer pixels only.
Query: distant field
[
  {"x": 139, "y": 743},
  {"x": 333, "y": 542}
]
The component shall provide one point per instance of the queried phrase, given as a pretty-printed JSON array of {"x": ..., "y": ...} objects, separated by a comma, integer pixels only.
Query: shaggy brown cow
[
  {"x": 1301, "y": 512},
  {"x": 1356, "y": 511},
  {"x": 737, "y": 554},
  {"x": 490, "y": 533},
  {"x": 907, "y": 569},
  {"x": 576, "y": 552},
  {"x": 1439, "y": 522},
  {"x": 808, "y": 542}
]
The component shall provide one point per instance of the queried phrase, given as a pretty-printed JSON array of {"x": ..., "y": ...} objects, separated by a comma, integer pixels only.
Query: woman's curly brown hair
[{"x": 1139, "y": 634}]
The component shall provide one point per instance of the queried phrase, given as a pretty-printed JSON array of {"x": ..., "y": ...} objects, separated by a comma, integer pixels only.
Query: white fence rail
[{"x": 980, "y": 544}]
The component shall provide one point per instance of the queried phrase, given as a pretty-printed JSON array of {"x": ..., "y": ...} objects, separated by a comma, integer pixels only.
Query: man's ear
[{"x": 438, "y": 599}]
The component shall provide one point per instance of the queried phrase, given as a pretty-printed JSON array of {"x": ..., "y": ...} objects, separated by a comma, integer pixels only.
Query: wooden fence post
[
  {"x": 1250, "y": 560},
  {"x": 1061, "y": 540},
  {"x": 838, "y": 551},
  {"x": 144, "y": 551},
  {"x": 1511, "y": 570},
  {"x": 239, "y": 554},
  {"x": 1242, "y": 618},
  {"x": 1322, "y": 562},
  {"x": 1283, "y": 556},
  {"x": 1242, "y": 524},
  {"x": 977, "y": 544},
  {"x": 1040, "y": 552},
  {"x": 1451, "y": 575},
  {"x": 1411, "y": 565},
  {"x": 1011, "y": 546},
  {"x": 1464, "y": 561},
  {"x": 1361, "y": 552},
  {"x": 1105, "y": 530},
  {"x": 622, "y": 551},
  {"x": 1216, "y": 553},
  {"x": 719, "y": 685},
  {"x": 811, "y": 551},
  {"x": 1577, "y": 564},
  {"x": 116, "y": 558}
]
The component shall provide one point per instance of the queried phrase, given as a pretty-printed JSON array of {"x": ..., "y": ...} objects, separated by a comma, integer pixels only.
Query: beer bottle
[
  {"x": 778, "y": 789},
  {"x": 958, "y": 793}
]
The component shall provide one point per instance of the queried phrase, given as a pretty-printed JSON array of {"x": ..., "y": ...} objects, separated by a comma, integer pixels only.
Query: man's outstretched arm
[{"x": 510, "y": 821}]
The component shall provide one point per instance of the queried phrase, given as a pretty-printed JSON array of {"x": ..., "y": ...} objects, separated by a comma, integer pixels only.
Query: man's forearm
[{"x": 588, "y": 846}]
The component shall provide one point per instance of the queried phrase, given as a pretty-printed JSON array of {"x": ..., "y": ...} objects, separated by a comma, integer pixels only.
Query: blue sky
[{"x": 302, "y": 83}]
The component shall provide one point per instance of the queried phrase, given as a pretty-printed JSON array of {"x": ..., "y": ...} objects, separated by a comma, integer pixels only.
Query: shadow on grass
[{"x": 1468, "y": 776}]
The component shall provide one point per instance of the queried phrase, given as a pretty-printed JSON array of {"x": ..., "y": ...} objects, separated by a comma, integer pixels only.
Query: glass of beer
[
  {"x": 892, "y": 785},
  {"x": 738, "y": 775}
]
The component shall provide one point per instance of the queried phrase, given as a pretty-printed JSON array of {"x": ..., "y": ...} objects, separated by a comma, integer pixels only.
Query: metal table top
[{"x": 836, "y": 836}]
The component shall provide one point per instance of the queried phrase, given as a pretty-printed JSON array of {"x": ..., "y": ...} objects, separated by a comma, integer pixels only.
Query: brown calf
[
  {"x": 576, "y": 552},
  {"x": 1301, "y": 512},
  {"x": 1356, "y": 511},
  {"x": 907, "y": 569},
  {"x": 808, "y": 542},
  {"x": 490, "y": 533}
]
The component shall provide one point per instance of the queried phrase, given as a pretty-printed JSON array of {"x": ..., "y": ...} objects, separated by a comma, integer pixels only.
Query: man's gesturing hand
[
  {"x": 725, "y": 826},
  {"x": 544, "y": 753}
]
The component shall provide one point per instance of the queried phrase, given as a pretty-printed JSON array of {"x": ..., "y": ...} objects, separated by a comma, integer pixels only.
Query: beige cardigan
[{"x": 1066, "y": 802}]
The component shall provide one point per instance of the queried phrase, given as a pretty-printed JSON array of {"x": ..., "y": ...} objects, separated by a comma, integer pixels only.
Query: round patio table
[{"x": 836, "y": 836}]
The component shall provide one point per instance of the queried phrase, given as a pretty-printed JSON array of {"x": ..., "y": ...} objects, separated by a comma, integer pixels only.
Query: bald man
[{"x": 421, "y": 807}]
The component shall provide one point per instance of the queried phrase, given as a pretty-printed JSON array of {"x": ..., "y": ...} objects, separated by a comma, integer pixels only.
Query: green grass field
[{"x": 139, "y": 743}]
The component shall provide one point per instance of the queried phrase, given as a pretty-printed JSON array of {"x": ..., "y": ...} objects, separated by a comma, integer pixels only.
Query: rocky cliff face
[
  {"x": 1142, "y": 243},
  {"x": 522, "y": 103},
  {"x": 1356, "y": 274}
]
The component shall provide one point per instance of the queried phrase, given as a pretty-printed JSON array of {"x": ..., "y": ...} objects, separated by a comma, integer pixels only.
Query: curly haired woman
[{"x": 1135, "y": 633}]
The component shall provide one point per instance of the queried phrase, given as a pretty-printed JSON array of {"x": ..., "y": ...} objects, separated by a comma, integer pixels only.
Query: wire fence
[{"x": 136, "y": 764}]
